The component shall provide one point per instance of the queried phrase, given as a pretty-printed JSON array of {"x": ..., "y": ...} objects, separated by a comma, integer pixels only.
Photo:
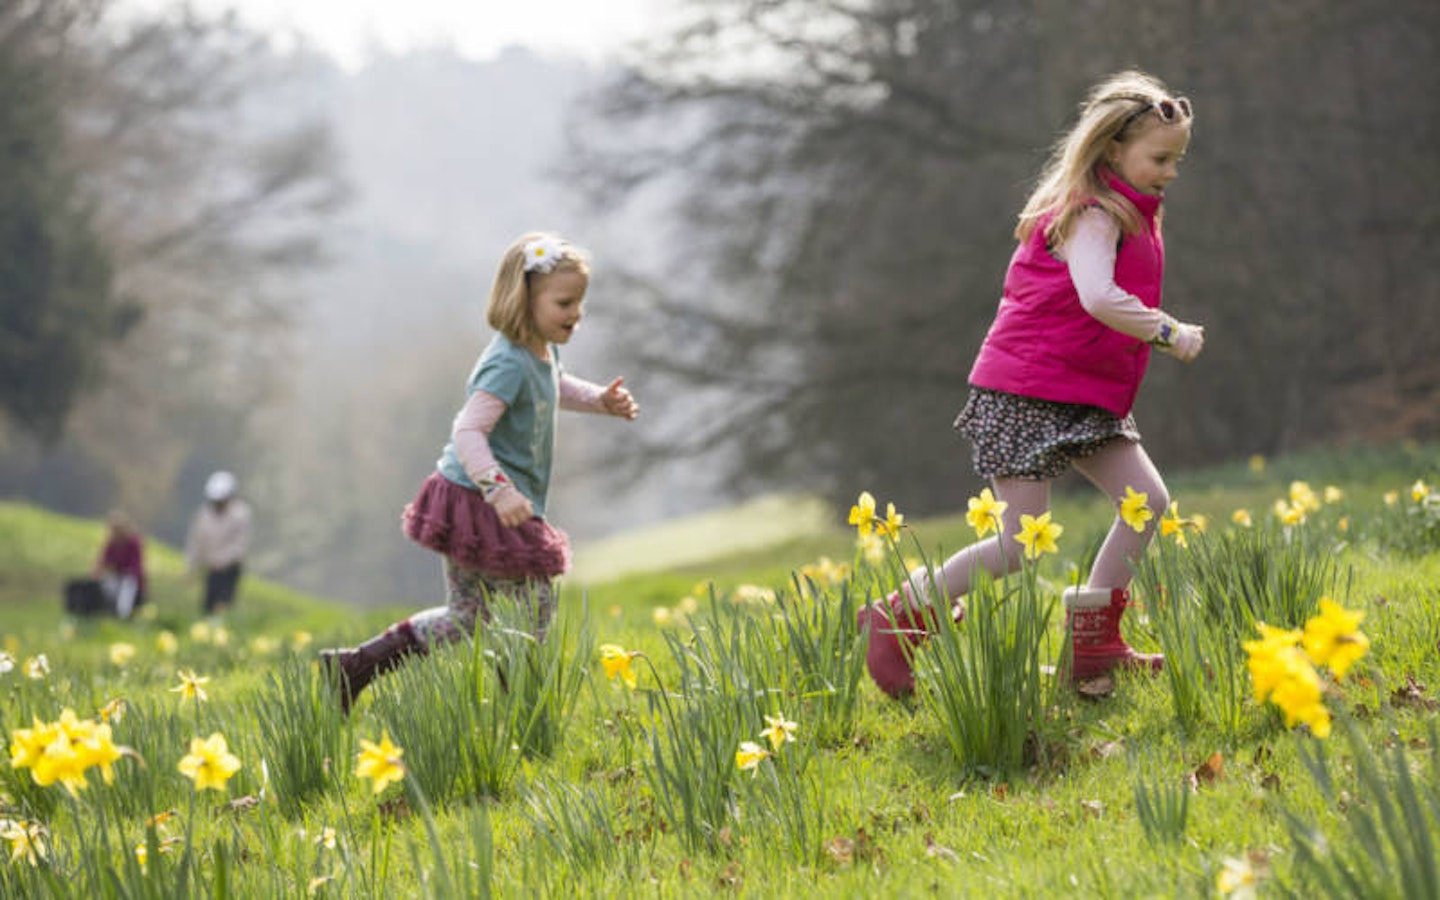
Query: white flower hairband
[{"x": 544, "y": 253}]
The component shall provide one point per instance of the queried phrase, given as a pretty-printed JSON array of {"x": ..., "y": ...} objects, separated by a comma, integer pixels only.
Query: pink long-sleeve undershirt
[
  {"x": 1090, "y": 255},
  {"x": 477, "y": 418}
]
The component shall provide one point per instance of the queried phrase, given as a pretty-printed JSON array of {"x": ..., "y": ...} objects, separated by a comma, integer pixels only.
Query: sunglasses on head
[{"x": 1169, "y": 110}]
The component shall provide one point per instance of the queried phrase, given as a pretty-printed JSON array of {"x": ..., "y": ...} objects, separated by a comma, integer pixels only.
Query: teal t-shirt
[{"x": 523, "y": 441}]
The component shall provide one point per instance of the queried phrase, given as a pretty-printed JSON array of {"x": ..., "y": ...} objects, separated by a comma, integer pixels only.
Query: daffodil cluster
[
  {"x": 26, "y": 839},
  {"x": 866, "y": 520},
  {"x": 778, "y": 732},
  {"x": 65, "y": 750},
  {"x": 1284, "y": 663}
]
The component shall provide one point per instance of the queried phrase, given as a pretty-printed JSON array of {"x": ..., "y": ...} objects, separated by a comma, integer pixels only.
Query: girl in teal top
[{"x": 483, "y": 508}]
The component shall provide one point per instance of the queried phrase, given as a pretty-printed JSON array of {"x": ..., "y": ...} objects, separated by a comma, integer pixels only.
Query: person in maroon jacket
[{"x": 120, "y": 568}]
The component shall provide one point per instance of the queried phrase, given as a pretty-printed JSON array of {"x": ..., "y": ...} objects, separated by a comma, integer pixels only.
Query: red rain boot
[
  {"x": 1093, "y": 620},
  {"x": 355, "y": 668},
  {"x": 890, "y": 622}
]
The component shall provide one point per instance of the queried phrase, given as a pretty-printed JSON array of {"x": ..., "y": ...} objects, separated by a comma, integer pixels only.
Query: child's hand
[
  {"x": 1179, "y": 339},
  {"x": 618, "y": 402},
  {"x": 512, "y": 507},
  {"x": 1189, "y": 340}
]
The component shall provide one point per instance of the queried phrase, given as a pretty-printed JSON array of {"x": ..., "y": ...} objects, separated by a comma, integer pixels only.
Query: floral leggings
[{"x": 467, "y": 592}]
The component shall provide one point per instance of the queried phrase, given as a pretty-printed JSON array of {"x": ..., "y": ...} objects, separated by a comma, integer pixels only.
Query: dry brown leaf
[
  {"x": 841, "y": 850},
  {"x": 939, "y": 851},
  {"x": 1211, "y": 769}
]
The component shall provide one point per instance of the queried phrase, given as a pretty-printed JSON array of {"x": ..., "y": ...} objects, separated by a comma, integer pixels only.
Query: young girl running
[
  {"x": 1057, "y": 375},
  {"x": 484, "y": 507}
]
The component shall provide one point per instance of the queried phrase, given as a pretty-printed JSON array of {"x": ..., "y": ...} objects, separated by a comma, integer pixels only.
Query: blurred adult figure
[
  {"x": 218, "y": 540},
  {"x": 120, "y": 567}
]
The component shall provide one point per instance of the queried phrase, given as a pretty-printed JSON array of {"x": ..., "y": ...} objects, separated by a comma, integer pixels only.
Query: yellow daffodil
[
  {"x": 1333, "y": 494},
  {"x": 380, "y": 762},
  {"x": 167, "y": 643},
  {"x": 1303, "y": 496},
  {"x": 1242, "y": 518},
  {"x": 121, "y": 653},
  {"x": 615, "y": 660},
  {"x": 1257, "y": 463},
  {"x": 209, "y": 763},
  {"x": 37, "y": 666},
  {"x": 1271, "y": 657},
  {"x": 662, "y": 616},
  {"x": 1301, "y": 698},
  {"x": 1174, "y": 525},
  {"x": 263, "y": 645},
  {"x": 1237, "y": 879},
  {"x": 1038, "y": 534},
  {"x": 1419, "y": 491},
  {"x": 114, "y": 711},
  {"x": 1289, "y": 513},
  {"x": 326, "y": 838},
  {"x": 27, "y": 841},
  {"x": 62, "y": 751},
  {"x": 862, "y": 514},
  {"x": 300, "y": 640},
  {"x": 1333, "y": 638},
  {"x": 201, "y": 632},
  {"x": 189, "y": 687},
  {"x": 872, "y": 548},
  {"x": 985, "y": 512},
  {"x": 778, "y": 730},
  {"x": 890, "y": 525},
  {"x": 749, "y": 756},
  {"x": 1134, "y": 510},
  {"x": 1391, "y": 498}
]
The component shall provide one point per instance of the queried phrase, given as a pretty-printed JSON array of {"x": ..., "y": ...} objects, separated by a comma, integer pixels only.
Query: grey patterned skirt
[{"x": 1022, "y": 437}]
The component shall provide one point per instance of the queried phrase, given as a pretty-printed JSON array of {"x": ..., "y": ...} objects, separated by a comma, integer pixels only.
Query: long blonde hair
[
  {"x": 1071, "y": 178},
  {"x": 508, "y": 310}
]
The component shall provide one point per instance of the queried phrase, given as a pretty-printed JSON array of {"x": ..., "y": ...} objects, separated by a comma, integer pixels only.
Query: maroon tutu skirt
[{"x": 457, "y": 522}]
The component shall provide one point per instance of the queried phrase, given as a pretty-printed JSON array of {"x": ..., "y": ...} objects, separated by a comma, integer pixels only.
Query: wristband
[
  {"x": 491, "y": 482},
  {"x": 1168, "y": 331}
]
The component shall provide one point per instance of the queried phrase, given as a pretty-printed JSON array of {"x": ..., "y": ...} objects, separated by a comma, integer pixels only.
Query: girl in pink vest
[{"x": 1056, "y": 378}]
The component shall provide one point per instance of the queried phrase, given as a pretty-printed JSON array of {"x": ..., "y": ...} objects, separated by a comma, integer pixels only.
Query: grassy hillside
[
  {"x": 40, "y": 550},
  {"x": 556, "y": 780}
]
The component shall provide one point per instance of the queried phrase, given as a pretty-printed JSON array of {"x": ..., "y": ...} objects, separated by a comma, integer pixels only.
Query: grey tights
[{"x": 1115, "y": 466}]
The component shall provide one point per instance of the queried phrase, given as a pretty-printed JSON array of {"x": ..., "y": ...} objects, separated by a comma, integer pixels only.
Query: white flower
[
  {"x": 543, "y": 253},
  {"x": 7, "y": 662}
]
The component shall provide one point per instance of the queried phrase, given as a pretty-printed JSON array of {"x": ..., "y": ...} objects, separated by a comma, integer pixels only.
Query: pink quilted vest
[{"x": 1044, "y": 344}]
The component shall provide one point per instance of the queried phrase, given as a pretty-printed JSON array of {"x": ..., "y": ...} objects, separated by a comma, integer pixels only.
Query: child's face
[
  {"x": 1151, "y": 160},
  {"x": 555, "y": 302}
]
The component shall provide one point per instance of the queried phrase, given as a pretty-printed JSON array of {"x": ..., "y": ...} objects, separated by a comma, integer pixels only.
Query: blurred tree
[
  {"x": 207, "y": 186},
  {"x": 851, "y": 172},
  {"x": 56, "y": 306}
]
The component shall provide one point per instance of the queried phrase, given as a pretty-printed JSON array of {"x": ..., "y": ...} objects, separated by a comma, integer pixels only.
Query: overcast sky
[{"x": 346, "y": 29}]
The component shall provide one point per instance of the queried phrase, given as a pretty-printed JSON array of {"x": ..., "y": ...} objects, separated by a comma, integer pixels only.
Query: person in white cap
[{"x": 218, "y": 540}]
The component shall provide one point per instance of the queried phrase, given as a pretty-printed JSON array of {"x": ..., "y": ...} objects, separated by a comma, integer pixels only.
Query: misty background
[{"x": 219, "y": 249}]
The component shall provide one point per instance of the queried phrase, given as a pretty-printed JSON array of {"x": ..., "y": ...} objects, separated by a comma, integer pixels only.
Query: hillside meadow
[{"x": 699, "y": 720}]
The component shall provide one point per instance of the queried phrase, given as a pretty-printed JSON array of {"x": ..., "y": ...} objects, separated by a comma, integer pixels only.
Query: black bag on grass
[{"x": 85, "y": 597}]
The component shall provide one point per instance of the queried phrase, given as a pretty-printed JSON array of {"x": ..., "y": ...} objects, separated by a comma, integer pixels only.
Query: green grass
[{"x": 1118, "y": 800}]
